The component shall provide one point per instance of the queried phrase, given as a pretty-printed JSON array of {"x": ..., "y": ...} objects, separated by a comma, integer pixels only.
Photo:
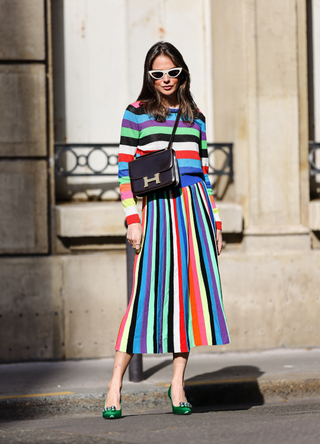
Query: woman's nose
[{"x": 166, "y": 78}]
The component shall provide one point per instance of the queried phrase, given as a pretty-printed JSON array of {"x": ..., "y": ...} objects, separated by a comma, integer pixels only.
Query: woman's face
[{"x": 167, "y": 86}]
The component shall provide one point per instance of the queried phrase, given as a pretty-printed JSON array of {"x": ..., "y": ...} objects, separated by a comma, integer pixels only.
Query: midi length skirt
[{"x": 176, "y": 300}]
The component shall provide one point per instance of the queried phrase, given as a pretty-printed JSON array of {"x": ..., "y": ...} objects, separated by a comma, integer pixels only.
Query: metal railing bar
[{"x": 313, "y": 147}]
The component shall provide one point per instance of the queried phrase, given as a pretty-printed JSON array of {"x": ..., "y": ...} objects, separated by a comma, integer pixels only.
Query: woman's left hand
[{"x": 219, "y": 240}]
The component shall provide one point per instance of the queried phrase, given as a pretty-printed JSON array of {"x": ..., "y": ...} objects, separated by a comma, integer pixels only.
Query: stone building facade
[{"x": 68, "y": 69}]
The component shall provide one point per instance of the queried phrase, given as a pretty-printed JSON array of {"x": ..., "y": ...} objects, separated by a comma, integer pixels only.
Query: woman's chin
[{"x": 169, "y": 95}]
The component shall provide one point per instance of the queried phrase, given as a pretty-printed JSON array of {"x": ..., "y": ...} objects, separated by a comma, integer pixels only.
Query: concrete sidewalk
[{"x": 212, "y": 379}]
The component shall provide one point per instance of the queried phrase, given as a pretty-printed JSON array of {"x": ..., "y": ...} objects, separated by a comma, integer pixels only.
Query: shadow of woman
[{"x": 230, "y": 388}]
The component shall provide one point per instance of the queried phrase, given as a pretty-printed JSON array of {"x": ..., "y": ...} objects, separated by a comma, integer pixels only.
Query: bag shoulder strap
[{"x": 174, "y": 129}]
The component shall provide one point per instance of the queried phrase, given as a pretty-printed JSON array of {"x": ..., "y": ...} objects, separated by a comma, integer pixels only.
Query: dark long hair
[{"x": 150, "y": 98}]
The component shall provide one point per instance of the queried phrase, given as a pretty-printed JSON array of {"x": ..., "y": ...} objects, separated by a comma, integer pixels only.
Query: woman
[{"x": 176, "y": 300}]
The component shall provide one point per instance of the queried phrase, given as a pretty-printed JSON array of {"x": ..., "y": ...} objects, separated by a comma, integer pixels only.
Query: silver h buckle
[{"x": 156, "y": 179}]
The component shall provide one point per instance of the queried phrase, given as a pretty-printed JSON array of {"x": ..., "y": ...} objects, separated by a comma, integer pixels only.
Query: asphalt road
[{"x": 292, "y": 422}]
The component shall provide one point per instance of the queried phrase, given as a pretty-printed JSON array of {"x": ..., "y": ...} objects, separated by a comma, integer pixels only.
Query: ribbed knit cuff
[
  {"x": 219, "y": 225},
  {"x": 133, "y": 219}
]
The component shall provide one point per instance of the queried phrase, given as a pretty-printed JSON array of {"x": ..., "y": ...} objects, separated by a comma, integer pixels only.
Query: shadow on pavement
[
  {"x": 235, "y": 386},
  {"x": 156, "y": 368}
]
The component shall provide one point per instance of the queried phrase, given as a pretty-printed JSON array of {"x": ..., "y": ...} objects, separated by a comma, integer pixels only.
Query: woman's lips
[{"x": 167, "y": 88}]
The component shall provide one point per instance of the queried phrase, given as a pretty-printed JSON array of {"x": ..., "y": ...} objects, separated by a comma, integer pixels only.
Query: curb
[{"x": 200, "y": 394}]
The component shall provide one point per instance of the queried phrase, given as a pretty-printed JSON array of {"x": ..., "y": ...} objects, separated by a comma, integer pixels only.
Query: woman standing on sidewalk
[{"x": 176, "y": 300}]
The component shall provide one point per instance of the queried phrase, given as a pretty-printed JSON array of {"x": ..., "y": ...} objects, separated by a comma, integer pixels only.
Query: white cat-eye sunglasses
[{"x": 157, "y": 74}]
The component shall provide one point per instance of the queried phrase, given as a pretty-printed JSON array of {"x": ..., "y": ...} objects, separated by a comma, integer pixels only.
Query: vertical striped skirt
[{"x": 176, "y": 300}]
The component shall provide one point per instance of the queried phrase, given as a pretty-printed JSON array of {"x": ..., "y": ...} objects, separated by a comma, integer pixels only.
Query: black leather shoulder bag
[{"x": 155, "y": 171}]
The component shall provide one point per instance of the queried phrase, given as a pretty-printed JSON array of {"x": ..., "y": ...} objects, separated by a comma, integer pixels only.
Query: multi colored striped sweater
[{"x": 141, "y": 134}]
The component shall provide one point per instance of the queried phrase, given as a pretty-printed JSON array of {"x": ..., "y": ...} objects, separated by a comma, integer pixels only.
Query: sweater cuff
[
  {"x": 133, "y": 219},
  {"x": 218, "y": 225}
]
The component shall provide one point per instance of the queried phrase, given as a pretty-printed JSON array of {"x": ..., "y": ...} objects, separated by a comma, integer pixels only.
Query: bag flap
[{"x": 150, "y": 164}]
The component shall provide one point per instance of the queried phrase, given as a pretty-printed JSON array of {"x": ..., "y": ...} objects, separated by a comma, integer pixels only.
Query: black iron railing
[
  {"x": 314, "y": 165},
  {"x": 92, "y": 159},
  {"x": 84, "y": 159},
  {"x": 227, "y": 165}
]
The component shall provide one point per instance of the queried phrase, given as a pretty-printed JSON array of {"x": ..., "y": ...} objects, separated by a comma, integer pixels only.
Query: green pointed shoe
[
  {"x": 184, "y": 408},
  {"x": 111, "y": 412}
]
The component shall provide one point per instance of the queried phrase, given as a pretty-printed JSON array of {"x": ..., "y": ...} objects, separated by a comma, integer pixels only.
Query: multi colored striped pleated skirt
[{"x": 176, "y": 300}]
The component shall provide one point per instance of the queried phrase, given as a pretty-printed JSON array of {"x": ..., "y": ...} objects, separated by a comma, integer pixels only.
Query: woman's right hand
[{"x": 134, "y": 236}]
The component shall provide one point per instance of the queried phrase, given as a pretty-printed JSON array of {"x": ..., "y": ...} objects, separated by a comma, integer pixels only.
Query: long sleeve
[
  {"x": 127, "y": 150},
  {"x": 205, "y": 169}
]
